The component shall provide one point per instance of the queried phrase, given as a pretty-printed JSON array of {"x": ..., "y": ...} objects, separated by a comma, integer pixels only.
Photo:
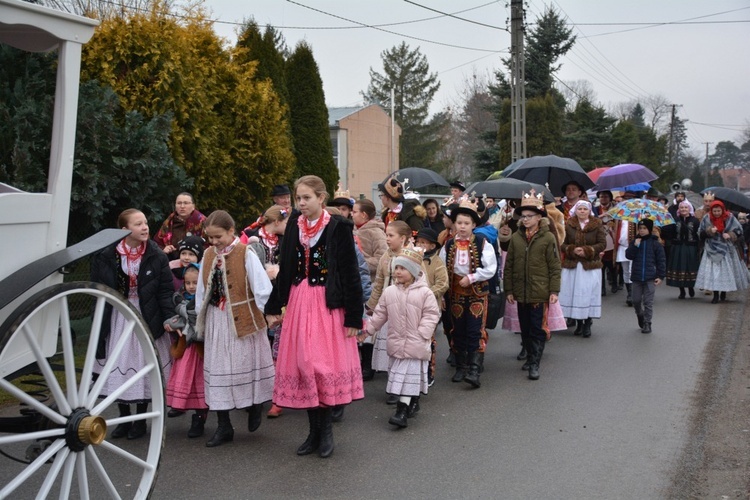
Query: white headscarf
[{"x": 572, "y": 211}]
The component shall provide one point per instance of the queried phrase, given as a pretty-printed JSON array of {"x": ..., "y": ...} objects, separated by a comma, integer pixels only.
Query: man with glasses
[{"x": 184, "y": 221}]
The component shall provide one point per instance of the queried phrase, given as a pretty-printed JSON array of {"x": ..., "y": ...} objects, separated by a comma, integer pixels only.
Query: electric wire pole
[
  {"x": 705, "y": 164},
  {"x": 671, "y": 133},
  {"x": 517, "y": 82}
]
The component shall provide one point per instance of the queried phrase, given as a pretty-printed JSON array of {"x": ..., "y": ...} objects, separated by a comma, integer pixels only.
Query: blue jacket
[{"x": 649, "y": 259}]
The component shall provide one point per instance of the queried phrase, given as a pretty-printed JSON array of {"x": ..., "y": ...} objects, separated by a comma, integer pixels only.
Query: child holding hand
[{"x": 412, "y": 313}]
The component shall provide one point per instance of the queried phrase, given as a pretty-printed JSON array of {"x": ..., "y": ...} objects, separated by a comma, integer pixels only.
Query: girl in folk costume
[
  {"x": 471, "y": 262},
  {"x": 186, "y": 388},
  {"x": 138, "y": 269},
  {"x": 268, "y": 231},
  {"x": 412, "y": 311},
  {"x": 397, "y": 237},
  {"x": 580, "y": 294},
  {"x": 318, "y": 282},
  {"x": 720, "y": 269},
  {"x": 683, "y": 261},
  {"x": 232, "y": 291}
]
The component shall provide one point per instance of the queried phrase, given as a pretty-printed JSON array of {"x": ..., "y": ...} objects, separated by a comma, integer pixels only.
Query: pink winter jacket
[{"x": 412, "y": 314}]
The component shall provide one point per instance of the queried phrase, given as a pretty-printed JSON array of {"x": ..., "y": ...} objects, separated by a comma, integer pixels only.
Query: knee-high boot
[
  {"x": 538, "y": 349},
  {"x": 460, "y": 367},
  {"x": 365, "y": 351},
  {"x": 139, "y": 426},
  {"x": 326, "y": 433},
  {"x": 224, "y": 432},
  {"x": 312, "y": 442},
  {"x": 629, "y": 298},
  {"x": 472, "y": 375},
  {"x": 122, "y": 429},
  {"x": 587, "y": 328}
]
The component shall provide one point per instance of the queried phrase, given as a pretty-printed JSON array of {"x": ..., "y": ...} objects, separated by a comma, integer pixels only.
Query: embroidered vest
[
  {"x": 247, "y": 317},
  {"x": 476, "y": 243}
]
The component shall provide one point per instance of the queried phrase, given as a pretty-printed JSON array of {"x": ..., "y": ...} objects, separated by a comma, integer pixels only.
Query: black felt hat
[
  {"x": 458, "y": 185},
  {"x": 280, "y": 190},
  {"x": 429, "y": 234}
]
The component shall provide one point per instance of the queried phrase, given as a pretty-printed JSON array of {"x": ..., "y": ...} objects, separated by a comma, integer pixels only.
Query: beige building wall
[{"x": 365, "y": 149}]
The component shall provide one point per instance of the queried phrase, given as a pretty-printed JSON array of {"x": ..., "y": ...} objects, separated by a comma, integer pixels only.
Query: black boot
[
  {"x": 254, "y": 417},
  {"x": 312, "y": 442},
  {"x": 579, "y": 327},
  {"x": 451, "y": 359},
  {"x": 522, "y": 355},
  {"x": 691, "y": 292},
  {"x": 640, "y": 320},
  {"x": 604, "y": 282},
  {"x": 197, "y": 426},
  {"x": 682, "y": 293},
  {"x": 723, "y": 296},
  {"x": 646, "y": 327},
  {"x": 716, "y": 298},
  {"x": 399, "y": 418},
  {"x": 411, "y": 412},
  {"x": 337, "y": 413},
  {"x": 472, "y": 376},
  {"x": 460, "y": 367},
  {"x": 536, "y": 358},
  {"x": 138, "y": 430},
  {"x": 629, "y": 298},
  {"x": 326, "y": 433},
  {"x": 365, "y": 351},
  {"x": 481, "y": 362},
  {"x": 224, "y": 432},
  {"x": 122, "y": 429},
  {"x": 586, "y": 333}
]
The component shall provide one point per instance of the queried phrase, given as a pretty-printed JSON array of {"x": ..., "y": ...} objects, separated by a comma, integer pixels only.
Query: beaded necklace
[{"x": 132, "y": 261}]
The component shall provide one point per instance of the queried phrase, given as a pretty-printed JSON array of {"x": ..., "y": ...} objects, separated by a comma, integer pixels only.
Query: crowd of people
[{"x": 303, "y": 306}]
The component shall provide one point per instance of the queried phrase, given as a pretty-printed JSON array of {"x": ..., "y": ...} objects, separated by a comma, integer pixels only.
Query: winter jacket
[
  {"x": 436, "y": 274},
  {"x": 412, "y": 213},
  {"x": 155, "y": 288},
  {"x": 532, "y": 269},
  {"x": 364, "y": 274},
  {"x": 371, "y": 236},
  {"x": 412, "y": 314},
  {"x": 342, "y": 282},
  {"x": 649, "y": 259},
  {"x": 593, "y": 239}
]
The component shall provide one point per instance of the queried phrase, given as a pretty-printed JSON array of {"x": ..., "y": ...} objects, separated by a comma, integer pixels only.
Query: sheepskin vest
[{"x": 240, "y": 301}]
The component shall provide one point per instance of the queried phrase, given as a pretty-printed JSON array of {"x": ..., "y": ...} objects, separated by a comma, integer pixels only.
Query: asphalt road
[{"x": 609, "y": 418}]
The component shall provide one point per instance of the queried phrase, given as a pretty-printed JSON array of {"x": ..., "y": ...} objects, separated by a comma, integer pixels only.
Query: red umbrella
[{"x": 594, "y": 174}]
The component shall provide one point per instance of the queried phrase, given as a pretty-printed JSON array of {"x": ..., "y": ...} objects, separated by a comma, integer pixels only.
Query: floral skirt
[{"x": 317, "y": 365}]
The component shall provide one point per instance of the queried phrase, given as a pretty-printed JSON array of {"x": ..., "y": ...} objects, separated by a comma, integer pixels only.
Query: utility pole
[
  {"x": 671, "y": 133},
  {"x": 517, "y": 82},
  {"x": 705, "y": 164}
]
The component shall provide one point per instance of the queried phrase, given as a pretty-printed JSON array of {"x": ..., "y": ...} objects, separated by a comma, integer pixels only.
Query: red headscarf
[{"x": 718, "y": 222}]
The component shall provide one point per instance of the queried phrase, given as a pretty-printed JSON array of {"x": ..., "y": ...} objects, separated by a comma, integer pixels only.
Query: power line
[
  {"x": 456, "y": 17},
  {"x": 472, "y": 61},
  {"x": 389, "y": 31}
]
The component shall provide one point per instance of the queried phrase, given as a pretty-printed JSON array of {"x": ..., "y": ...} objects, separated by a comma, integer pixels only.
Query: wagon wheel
[{"x": 75, "y": 427}]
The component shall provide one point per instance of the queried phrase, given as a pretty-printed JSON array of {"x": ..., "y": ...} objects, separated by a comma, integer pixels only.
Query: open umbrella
[
  {"x": 552, "y": 171},
  {"x": 639, "y": 208},
  {"x": 733, "y": 199},
  {"x": 594, "y": 174},
  {"x": 623, "y": 175},
  {"x": 419, "y": 177},
  {"x": 508, "y": 189},
  {"x": 510, "y": 168}
]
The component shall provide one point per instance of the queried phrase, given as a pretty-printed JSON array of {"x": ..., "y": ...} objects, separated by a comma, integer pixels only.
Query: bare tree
[
  {"x": 102, "y": 9},
  {"x": 575, "y": 91},
  {"x": 657, "y": 106}
]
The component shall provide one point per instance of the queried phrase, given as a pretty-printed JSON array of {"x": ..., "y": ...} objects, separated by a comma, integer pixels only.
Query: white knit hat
[{"x": 410, "y": 259}]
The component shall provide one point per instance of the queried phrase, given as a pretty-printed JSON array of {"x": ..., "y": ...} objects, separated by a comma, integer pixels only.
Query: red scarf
[
  {"x": 133, "y": 257},
  {"x": 307, "y": 232},
  {"x": 718, "y": 222}
]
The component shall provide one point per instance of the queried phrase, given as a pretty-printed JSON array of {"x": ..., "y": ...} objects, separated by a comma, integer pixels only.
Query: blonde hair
[
  {"x": 401, "y": 228},
  {"x": 313, "y": 182},
  {"x": 333, "y": 210}
]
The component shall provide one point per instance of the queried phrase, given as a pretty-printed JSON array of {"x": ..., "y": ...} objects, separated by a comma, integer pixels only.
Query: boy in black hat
[
  {"x": 437, "y": 279},
  {"x": 457, "y": 190},
  {"x": 649, "y": 268}
]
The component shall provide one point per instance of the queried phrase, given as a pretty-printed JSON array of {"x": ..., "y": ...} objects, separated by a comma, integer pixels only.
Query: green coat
[{"x": 532, "y": 270}]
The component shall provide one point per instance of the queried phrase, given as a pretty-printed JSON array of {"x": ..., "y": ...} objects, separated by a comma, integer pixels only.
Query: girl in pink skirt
[{"x": 318, "y": 363}]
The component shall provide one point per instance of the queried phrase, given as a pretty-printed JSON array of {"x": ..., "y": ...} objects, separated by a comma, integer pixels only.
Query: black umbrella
[
  {"x": 552, "y": 171},
  {"x": 418, "y": 178},
  {"x": 508, "y": 189},
  {"x": 733, "y": 199}
]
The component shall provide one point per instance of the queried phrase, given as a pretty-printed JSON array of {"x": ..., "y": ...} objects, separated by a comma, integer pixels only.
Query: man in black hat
[
  {"x": 282, "y": 196},
  {"x": 573, "y": 192}
]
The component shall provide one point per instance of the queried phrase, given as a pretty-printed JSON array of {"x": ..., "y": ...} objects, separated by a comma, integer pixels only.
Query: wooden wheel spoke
[
  {"x": 49, "y": 375},
  {"x": 71, "y": 384}
]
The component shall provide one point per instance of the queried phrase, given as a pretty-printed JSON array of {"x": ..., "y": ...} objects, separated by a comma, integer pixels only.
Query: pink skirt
[
  {"x": 555, "y": 319},
  {"x": 317, "y": 364},
  {"x": 185, "y": 389}
]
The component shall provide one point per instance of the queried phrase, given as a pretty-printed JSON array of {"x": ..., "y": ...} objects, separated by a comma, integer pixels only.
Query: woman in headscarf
[
  {"x": 185, "y": 221},
  {"x": 682, "y": 236},
  {"x": 720, "y": 269},
  {"x": 580, "y": 293}
]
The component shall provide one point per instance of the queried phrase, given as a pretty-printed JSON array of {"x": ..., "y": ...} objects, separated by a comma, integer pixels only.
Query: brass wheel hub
[{"x": 92, "y": 430}]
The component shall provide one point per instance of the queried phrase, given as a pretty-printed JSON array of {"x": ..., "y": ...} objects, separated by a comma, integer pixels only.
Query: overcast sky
[{"x": 702, "y": 64}]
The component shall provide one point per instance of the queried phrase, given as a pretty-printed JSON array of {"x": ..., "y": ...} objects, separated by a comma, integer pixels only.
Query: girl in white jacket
[{"x": 412, "y": 314}]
